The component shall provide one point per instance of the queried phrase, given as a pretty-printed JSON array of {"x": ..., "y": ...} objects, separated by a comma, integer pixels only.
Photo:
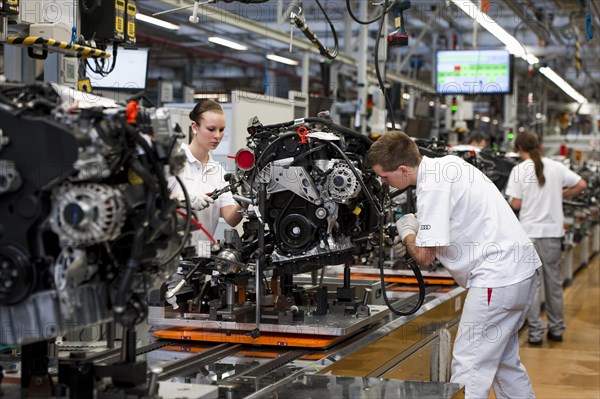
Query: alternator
[
  {"x": 87, "y": 214},
  {"x": 342, "y": 183}
]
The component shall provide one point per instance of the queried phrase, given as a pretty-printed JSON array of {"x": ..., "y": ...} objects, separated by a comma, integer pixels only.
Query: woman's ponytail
[{"x": 529, "y": 143}]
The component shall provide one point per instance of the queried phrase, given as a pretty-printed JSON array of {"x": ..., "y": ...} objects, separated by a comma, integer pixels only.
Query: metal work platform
[
  {"x": 375, "y": 362},
  {"x": 322, "y": 386},
  {"x": 332, "y": 325},
  {"x": 381, "y": 360}
]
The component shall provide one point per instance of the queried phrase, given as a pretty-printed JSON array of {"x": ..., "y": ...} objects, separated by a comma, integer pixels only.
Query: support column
[
  {"x": 380, "y": 115},
  {"x": 410, "y": 113},
  {"x": 349, "y": 43},
  {"x": 305, "y": 72},
  {"x": 435, "y": 132},
  {"x": 363, "y": 45},
  {"x": 510, "y": 113}
]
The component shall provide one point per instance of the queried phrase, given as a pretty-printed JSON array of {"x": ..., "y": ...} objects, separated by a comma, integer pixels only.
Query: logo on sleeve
[{"x": 425, "y": 227}]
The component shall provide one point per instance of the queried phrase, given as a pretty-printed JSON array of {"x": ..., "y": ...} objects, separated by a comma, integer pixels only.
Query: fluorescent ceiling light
[
  {"x": 281, "y": 59},
  {"x": 514, "y": 46},
  {"x": 157, "y": 22},
  {"x": 532, "y": 59},
  {"x": 560, "y": 82},
  {"x": 227, "y": 43}
]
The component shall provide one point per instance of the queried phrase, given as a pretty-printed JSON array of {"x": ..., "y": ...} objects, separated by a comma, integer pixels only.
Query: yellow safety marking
[{"x": 36, "y": 40}]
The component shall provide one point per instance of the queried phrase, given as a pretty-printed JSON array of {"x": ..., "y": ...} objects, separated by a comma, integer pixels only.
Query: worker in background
[
  {"x": 201, "y": 174},
  {"x": 465, "y": 222},
  {"x": 536, "y": 188},
  {"x": 477, "y": 139}
]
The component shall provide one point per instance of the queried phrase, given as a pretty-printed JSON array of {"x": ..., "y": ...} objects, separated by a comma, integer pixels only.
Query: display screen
[
  {"x": 130, "y": 71},
  {"x": 473, "y": 72}
]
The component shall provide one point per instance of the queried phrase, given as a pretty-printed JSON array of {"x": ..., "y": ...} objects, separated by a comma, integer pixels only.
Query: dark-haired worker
[{"x": 536, "y": 188}]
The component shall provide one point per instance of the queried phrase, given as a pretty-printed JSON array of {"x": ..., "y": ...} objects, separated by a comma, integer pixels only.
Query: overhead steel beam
[
  {"x": 225, "y": 17},
  {"x": 536, "y": 27}
]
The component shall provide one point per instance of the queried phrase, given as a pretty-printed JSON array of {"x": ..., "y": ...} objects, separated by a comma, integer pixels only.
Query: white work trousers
[{"x": 486, "y": 348}]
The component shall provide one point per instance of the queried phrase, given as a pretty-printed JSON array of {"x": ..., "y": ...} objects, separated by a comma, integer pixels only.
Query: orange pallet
[
  {"x": 242, "y": 337},
  {"x": 404, "y": 279}
]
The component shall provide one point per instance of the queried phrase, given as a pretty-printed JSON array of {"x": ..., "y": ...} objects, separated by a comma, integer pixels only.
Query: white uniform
[
  {"x": 541, "y": 213},
  {"x": 482, "y": 244},
  {"x": 541, "y": 216},
  {"x": 203, "y": 178}
]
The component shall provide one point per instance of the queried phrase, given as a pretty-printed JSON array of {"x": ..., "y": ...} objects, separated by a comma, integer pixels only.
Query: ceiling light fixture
[
  {"x": 283, "y": 60},
  {"x": 155, "y": 21},
  {"x": 514, "y": 46},
  {"x": 227, "y": 43},
  {"x": 560, "y": 82}
]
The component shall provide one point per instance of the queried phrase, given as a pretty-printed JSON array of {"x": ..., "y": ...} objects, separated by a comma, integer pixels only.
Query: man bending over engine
[{"x": 466, "y": 223}]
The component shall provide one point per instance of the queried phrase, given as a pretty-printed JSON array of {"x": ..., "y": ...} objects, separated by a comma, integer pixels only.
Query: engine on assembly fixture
[
  {"x": 309, "y": 201},
  {"x": 86, "y": 223},
  {"x": 318, "y": 194}
]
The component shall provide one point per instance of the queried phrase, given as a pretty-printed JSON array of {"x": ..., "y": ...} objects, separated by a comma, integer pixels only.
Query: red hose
[{"x": 198, "y": 225}]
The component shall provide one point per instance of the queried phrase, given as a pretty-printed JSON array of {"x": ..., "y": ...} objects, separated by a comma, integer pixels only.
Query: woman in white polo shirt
[
  {"x": 201, "y": 174},
  {"x": 537, "y": 187}
]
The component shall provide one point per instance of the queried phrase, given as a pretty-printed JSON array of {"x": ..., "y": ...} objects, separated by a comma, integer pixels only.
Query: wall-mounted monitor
[
  {"x": 131, "y": 68},
  {"x": 473, "y": 72}
]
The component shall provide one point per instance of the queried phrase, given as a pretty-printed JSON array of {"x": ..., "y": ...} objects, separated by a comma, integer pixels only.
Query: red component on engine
[
  {"x": 244, "y": 159},
  {"x": 302, "y": 132},
  {"x": 132, "y": 112}
]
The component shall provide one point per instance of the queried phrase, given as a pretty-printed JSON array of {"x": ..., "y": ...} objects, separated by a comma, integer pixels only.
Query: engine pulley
[
  {"x": 17, "y": 276},
  {"x": 296, "y": 231}
]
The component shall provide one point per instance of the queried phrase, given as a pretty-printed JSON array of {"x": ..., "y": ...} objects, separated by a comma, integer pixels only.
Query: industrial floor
[{"x": 570, "y": 369}]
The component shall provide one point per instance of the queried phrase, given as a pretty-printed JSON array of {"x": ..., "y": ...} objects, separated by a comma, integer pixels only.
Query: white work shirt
[
  {"x": 541, "y": 211},
  {"x": 478, "y": 237},
  {"x": 203, "y": 178}
]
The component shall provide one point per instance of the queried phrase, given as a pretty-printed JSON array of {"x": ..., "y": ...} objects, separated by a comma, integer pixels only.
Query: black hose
[
  {"x": 330, "y": 54},
  {"x": 131, "y": 267},
  {"x": 188, "y": 223},
  {"x": 327, "y": 122},
  {"x": 411, "y": 263},
  {"x": 388, "y": 102},
  {"x": 139, "y": 140},
  {"x": 341, "y": 129},
  {"x": 278, "y": 139},
  {"x": 355, "y": 18},
  {"x": 307, "y": 153}
]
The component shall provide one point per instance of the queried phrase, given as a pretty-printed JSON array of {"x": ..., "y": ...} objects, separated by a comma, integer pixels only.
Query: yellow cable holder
[{"x": 56, "y": 45}]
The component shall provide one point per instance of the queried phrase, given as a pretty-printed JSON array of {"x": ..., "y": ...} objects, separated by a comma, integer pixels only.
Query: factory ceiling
[{"x": 549, "y": 29}]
